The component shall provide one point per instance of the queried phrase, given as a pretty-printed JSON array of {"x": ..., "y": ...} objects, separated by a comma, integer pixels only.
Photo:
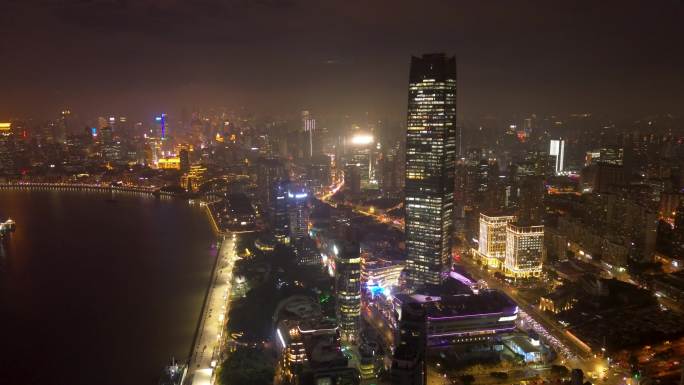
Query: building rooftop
[{"x": 462, "y": 305}]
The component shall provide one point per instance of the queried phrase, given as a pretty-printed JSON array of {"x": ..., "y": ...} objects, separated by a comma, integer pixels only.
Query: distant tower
[
  {"x": 309, "y": 126},
  {"x": 280, "y": 219},
  {"x": 7, "y": 149},
  {"x": 63, "y": 127},
  {"x": 161, "y": 121},
  {"x": 348, "y": 290},
  {"x": 557, "y": 150},
  {"x": 269, "y": 171},
  {"x": 184, "y": 156},
  {"x": 430, "y": 168},
  {"x": 297, "y": 198}
]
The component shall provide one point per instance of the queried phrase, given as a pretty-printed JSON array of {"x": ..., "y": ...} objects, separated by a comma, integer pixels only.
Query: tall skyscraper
[
  {"x": 557, "y": 150},
  {"x": 430, "y": 167},
  {"x": 269, "y": 171},
  {"x": 279, "y": 216},
  {"x": 297, "y": 198},
  {"x": 360, "y": 148},
  {"x": 348, "y": 289},
  {"x": 309, "y": 126}
]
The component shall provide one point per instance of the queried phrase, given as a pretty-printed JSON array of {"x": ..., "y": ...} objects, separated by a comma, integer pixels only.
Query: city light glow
[{"x": 362, "y": 139}]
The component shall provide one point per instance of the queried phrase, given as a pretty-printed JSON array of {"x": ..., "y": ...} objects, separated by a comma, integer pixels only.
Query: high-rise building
[
  {"x": 524, "y": 251},
  {"x": 184, "y": 156},
  {"x": 280, "y": 219},
  {"x": 492, "y": 240},
  {"x": 7, "y": 150},
  {"x": 557, "y": 150},
  {"x": 297, "y": 198},
  {"x": 162, "y": 124},
  {"x": 63, "y": 126},
  {"x": 348, "y": 289},
  {"x": 318, "y": 172},
  {"x": 269, "y": 171},
  {"x": 430, "y": 167},
  {"x": 110, "y": 145},
  {"x": 309, "y": 126},
  {"x": 360, "y": 149}
]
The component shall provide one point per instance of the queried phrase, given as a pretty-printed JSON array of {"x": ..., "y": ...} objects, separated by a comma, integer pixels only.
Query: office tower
[
  {"x": 308, "y": 126},
  {"x": 352, "y": 178},
  {"x": 111, "y": 147},
  {"x": 557, "y": 150},
  {"x": 392, "y": 172},
  {"x": 531, "y": 208},
  {"x": 348, "y": 289},
  {"x": 360, "y": 148},
  {"x": 278, "y": 214},
  {"x": 318, "y": 172},
  {"x": 492, "y": 241},
  {"x": 7, "y": 149},
  {"x": 63, "y": 126},
  {"x": 161, "y": 122},
  {"x": 524, "y": 251},
  {"x": 430, "y": 167},
  {"x": 269, "y": 171},
  {"x": 297, "y": 198},
  {"x": 184, "y": 156}
]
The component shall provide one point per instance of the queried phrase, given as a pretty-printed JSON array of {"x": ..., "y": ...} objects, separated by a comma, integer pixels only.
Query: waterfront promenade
[
  {"x": 206, "y": 351},
  {"x": 85, "y": 187}
]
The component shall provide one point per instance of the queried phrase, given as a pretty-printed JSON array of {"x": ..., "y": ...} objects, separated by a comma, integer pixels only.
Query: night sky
[{"x": 138, "y": 57}]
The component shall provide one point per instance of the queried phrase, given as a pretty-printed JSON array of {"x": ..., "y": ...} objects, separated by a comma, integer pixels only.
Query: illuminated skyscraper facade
[
  {"x": 524, "y": 251},
  {"x": 348, "y": 289},
  {"x": 492, "y": 240},
  {"x": 297, "y": 199},
  {"x": 309, "y": 126},
  {"x": 557, "y": 150},
  {"x": 280, "y": 218},
  {"x": 430, "y": 168},
  {"x": 361, "y": 149}
]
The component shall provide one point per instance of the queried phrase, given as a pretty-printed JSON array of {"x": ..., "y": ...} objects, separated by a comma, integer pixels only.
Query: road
[
  {"x": 207, "y": 347},
  {"x": 572, "y": 353},
  {"x": 530, "y": 309}
]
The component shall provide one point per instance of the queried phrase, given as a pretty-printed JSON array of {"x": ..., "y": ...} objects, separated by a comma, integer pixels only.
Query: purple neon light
[
  {"x": 461, "y": 278},
  {"x": 489, "y": 331},
  {"x": 465, "y": 316},
  {"x": 163, "y": 125}
]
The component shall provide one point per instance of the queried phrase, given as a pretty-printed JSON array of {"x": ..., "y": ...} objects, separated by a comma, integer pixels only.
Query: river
[{"x": 99, "y": 292}]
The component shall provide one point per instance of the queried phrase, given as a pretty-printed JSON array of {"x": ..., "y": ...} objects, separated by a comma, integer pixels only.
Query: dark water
[{"x": 93, "y": 292}]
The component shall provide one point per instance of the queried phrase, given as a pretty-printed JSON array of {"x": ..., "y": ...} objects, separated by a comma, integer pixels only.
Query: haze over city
[
  {"x": 139, "y": 57},
  {"x": 296, "y": 192}
]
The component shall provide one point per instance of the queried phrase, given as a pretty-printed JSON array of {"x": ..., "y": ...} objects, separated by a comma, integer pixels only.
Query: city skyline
[{"x": 300, "y": 192}]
